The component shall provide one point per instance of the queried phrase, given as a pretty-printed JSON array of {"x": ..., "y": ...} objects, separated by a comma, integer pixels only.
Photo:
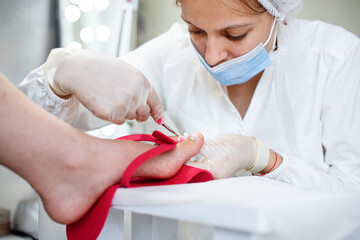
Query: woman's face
[{"x": 225, "y": 29}]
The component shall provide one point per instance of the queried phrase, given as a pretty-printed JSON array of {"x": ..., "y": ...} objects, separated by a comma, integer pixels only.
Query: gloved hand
[
  {"x": 226, "y": 154},
  {"x": 109, "y": 87}
]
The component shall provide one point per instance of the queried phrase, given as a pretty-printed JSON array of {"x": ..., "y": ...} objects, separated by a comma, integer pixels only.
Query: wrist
[
  {"x": 261, "y": 159},
  {"x": 56, "y": 73},
  {"x": 275, "y": 161}
]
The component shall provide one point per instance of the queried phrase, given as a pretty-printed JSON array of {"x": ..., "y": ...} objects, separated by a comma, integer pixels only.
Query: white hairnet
[{"x": 282, "y": 9}]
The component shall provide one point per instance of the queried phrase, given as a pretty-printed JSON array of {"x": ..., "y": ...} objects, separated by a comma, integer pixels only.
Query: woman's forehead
[
  {"x": 228, "y": 6},
  {"x": 223, "y": 12}
]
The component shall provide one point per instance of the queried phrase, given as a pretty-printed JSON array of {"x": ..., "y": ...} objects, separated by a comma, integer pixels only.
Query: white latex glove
[
  {"x": 109, "y": 87},
  {"x": 225, "y": 155}
]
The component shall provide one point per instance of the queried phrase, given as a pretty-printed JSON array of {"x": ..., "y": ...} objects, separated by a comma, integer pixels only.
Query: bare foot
[
  {"x": 71, "y": 195},
  {"x": 69, "y": 169}
]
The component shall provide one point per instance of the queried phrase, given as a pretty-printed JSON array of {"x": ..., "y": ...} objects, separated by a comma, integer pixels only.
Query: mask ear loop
[
  {"x": 272, "y": 29},
  {"x": 274, "y": 46}
]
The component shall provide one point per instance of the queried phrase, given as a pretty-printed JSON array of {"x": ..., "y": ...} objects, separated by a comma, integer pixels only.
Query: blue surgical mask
[{"x": 242, "y": 69}]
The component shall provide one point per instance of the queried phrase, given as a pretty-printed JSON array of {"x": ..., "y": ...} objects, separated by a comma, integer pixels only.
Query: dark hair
[{"x": 253, "y": 5}]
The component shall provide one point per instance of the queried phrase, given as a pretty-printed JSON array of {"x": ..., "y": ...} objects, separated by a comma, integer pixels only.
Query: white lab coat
[{"x": 306, "y": 106}]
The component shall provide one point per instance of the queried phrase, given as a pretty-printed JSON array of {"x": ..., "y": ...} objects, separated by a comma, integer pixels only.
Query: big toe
[
  {"x": 190, "y": 146},
  {"x": 168, "y": 164}
]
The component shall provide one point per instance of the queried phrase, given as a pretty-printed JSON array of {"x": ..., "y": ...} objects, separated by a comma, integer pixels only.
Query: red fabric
[{"x": 90, "y": 225}]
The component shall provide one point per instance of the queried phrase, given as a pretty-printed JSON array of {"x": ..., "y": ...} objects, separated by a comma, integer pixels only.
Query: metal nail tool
[{"x": 169, "y": 129}]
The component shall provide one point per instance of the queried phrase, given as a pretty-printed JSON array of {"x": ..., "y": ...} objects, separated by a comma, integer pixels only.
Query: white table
[{"x": 236, "y": 208}]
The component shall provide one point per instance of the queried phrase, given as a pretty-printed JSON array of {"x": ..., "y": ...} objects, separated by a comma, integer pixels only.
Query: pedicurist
[{"x": 274, "y": 96}]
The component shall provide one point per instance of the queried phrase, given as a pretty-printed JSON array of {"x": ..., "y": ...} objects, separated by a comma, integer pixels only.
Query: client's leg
[{"x": 68, "y": 168}]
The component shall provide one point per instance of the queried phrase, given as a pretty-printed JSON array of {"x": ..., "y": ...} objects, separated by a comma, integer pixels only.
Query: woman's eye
[
  {"x": 235, "y": 38},
  {"x": 196, "y": 32}
]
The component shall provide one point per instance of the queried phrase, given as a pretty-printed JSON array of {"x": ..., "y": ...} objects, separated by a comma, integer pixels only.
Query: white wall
[
  {"x": 155, "y": 17},
  {"x": 345, "y": 13}
]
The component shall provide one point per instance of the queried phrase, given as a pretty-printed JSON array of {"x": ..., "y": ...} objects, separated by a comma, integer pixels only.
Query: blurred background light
[
  {"x": 102, "y": 33},
  {"x": 72, "y": 13},
  {"x": 75, "y": 2},
  {"x": 85, "y": 5},
  {"x": 87, "y": 35},
  {"x": 101, "y": 5}
]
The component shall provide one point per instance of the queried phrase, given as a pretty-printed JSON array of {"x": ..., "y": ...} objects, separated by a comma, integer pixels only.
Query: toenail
[{"x": 194, "y": 136}]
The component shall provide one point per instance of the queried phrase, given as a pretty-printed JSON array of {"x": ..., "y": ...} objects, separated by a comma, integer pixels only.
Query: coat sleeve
[
  {"x": 340, "y": 117},
  {"x": 36, "y": 87}
]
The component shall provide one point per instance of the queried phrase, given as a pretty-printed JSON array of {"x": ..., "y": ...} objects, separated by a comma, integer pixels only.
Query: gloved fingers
[
  {"x": 130, "y": 115},
  {"x": 116, "y": 114},
  {"x": 156, "y": 110},
  {"x": 218, "y": 169},
  {"x": 142, "y": 113},
  {"x": 213, "y": 149},
  {"x": 202, "y": 163},
  {"x": 123, "y": 108},
  {"x": 107, "y": 115}
]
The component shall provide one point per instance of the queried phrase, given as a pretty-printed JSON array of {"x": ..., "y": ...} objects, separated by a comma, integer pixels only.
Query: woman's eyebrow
[
  {"x": 233, "y": 26},
  {"x": 187, "y": 21}
]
